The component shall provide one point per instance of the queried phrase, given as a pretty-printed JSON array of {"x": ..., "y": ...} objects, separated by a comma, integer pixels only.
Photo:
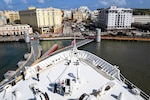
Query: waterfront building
[
  {"x": 42, "y": 20},
  {"x": 2, "y": 21},
  {"x": 16, "y": 29},
  {"x": 67, "y": 14},
  {"x": 11, "y": 16},
  {"x": 143, "y": 19},
  {"x": 115, "y": 18}
]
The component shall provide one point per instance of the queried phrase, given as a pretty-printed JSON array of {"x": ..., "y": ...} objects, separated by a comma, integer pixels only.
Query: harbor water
[
  {"x": 133, "y": 58},
  {"x": 10, "y": 54}
]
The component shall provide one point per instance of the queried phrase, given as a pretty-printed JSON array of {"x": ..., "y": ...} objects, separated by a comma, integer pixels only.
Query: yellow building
[
  {"x": 41, "y": 19},
  {"x": 12, "y": 16}
]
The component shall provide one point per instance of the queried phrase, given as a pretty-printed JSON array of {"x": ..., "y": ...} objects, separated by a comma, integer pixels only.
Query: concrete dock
[
  {"x": 11, "y": 38},
  {"x": 119, "y": 38}
]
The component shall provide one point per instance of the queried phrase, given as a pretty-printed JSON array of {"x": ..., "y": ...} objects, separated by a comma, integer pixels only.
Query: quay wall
[
  {"x": 12, "y": 39},
  {"x": 103, "y": 37},
  {"x": 62, "y": 38},
  {"x": 118, "y": 38}
]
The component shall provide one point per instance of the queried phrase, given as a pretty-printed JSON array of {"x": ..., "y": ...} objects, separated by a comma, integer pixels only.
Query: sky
[{"x": 68, "y": 4}]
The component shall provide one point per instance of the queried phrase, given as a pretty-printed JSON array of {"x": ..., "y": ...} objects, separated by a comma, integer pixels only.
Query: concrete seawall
[
  {"x": 62, "y": 38},
  {"x": 118, "y": 38},
  {"x": 12, "y": 39}
]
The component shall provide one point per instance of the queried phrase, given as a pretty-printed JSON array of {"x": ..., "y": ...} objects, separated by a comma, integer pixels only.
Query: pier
[
  {"x": 78, "y": 44},
  {"x": 84, "y": 42},
  {"x": 61, "y": 38},
  {"x": 119, "y": 38},
  {"x": 11, "y": 38}
]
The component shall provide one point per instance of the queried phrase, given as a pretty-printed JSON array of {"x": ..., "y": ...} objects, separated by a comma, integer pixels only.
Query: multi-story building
[
  {"x": 78, "y": 16},
  {"x": 94, "y": 15},
  {"x": 42, "y": 19},
  {"x": 86, "y": 12},
  {"x": 115, "y": 18},
  {"x": 143, "y": 19},
  {"x": 11, "y": 16},
  {"x": 67, "y": 14},
  {"x": 2, "y": 21},
  {"x": 16, "y": 29},
  {"x": 84, "y": 9}
]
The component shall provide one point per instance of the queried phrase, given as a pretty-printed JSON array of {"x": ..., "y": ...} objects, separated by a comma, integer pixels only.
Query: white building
[
  {"x": 94, "y": 15},
  {"x": 143, "y": 19},
  {"x": 115, "y": 18},
  {"x": 84, "y": 9},
  {"x": 2, "y": 21},
  {"x": 67, "y": 14},
  {"x": 86, "y": 12},
  {"x": 16, "y": 29}
]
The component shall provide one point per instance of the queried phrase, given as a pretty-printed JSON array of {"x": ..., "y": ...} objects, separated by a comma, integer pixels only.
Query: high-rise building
[
  {"x": 42, "y": 19},
  {"x": 115, "y": 18}
]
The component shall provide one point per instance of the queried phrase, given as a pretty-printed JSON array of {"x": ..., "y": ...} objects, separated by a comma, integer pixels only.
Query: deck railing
[
  {"x": 131, "y": 85},
  {"x": 122, "y": 78}
]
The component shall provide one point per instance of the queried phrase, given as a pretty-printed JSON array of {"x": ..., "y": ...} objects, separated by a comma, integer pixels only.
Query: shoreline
[
  {"x": 111, "y": 38},
  {"x": 61, "y": 38},
  {"x": 123, "y": 38}
]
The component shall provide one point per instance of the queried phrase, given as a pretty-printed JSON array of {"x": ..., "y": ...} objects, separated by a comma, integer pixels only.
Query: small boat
[{"x": 9, "y": 73}]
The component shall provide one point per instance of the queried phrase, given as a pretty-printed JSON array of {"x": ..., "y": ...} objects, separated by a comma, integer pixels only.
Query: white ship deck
[{"x": 77, "y": 67}]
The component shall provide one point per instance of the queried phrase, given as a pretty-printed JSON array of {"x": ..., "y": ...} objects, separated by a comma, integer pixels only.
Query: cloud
[
  {"x": 24, "y": 1},
  {"x": 10, "y": 6},
  {"x": 8, "y": 1},
  {"x": 112, "y": 2},
  {"x": 41, "y": 1}
]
